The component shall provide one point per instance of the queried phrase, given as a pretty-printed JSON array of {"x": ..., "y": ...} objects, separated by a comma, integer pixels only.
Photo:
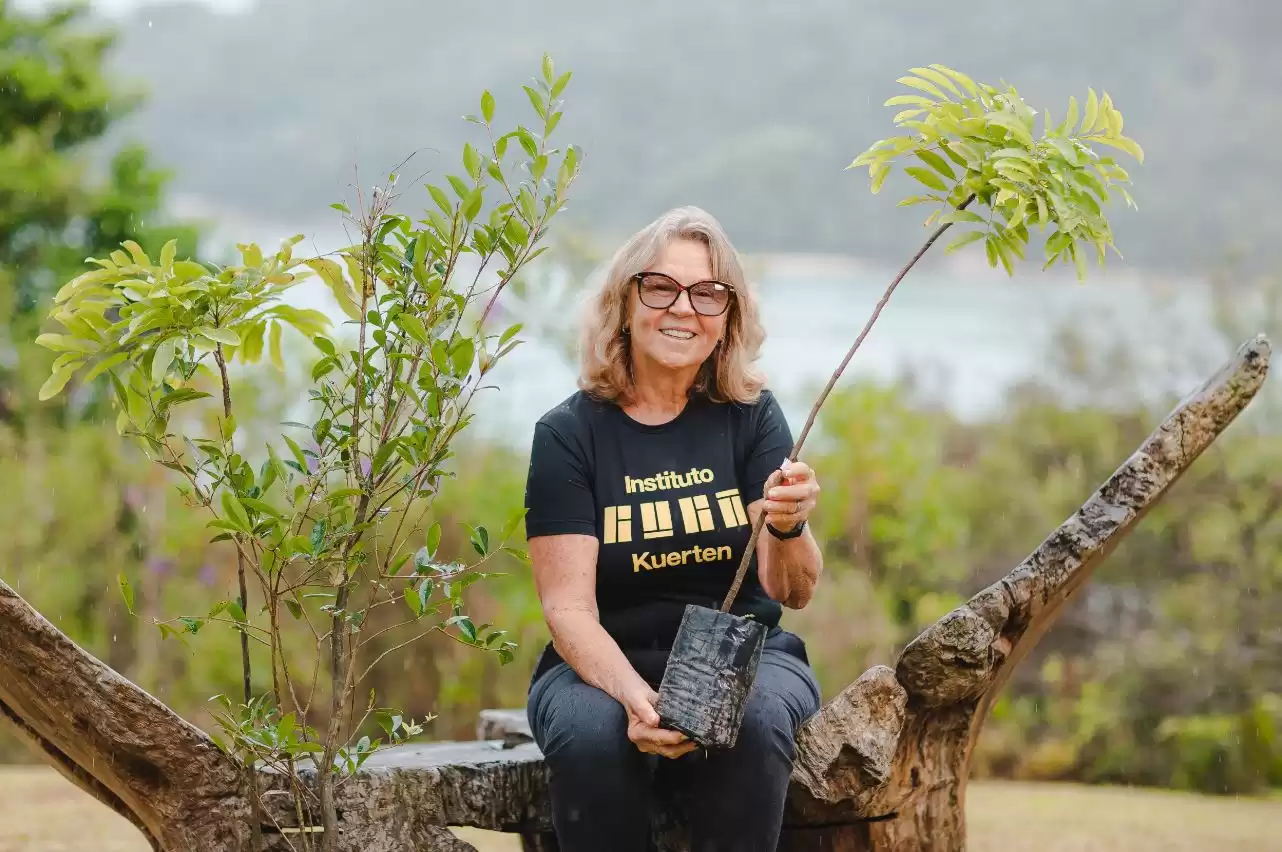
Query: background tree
[{"x": 62, "y": 197}]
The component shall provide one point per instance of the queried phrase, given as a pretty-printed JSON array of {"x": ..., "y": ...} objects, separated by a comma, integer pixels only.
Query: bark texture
[{"x": 881, "y": 768}]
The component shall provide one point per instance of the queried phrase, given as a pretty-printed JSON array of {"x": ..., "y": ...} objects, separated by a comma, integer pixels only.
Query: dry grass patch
[{"x": 41, "y": 812}]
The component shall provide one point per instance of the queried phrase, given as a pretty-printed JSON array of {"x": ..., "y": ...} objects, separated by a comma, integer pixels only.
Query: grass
[{"x": 41, "y": 812}]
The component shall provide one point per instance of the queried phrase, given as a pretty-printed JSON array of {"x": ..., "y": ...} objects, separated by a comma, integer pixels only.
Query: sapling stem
[{"x": 814, "y": 409}]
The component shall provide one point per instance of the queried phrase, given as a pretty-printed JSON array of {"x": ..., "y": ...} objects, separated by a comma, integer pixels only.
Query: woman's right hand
[{"x": 643, "y": 725}]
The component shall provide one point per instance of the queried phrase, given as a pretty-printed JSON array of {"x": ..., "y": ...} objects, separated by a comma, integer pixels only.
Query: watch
[{"x": 792, "y": 533}]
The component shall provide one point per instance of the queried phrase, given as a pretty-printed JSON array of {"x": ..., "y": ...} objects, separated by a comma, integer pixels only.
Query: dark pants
[{"x": 601, "y": 785}]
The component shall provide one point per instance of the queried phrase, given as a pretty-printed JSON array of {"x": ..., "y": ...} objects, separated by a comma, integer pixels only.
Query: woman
[{"x": 635, "y": 504}]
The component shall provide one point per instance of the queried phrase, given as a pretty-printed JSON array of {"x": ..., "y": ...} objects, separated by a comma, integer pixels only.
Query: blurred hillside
[{"x": 750, "y": 109}]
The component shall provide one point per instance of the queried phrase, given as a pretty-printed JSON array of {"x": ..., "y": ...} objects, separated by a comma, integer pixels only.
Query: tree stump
[{"x": 881, "y": 768}]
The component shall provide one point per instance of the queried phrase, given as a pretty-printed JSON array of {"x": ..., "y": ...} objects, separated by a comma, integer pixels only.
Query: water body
[{"x": 967, "y": 334}]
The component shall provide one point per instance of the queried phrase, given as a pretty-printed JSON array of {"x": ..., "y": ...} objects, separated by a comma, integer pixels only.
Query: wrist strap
[{"x": 792, "y": 533}]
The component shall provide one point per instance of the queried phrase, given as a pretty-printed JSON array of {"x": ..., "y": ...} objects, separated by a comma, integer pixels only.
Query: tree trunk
[{"x": 881, "y": 768}]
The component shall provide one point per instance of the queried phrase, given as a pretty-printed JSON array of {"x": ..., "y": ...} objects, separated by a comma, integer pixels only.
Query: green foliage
[
  {"x": 330, "y": 523},
  {"x": 973, "y": 142},
  {"x": 56, "y": 100}
]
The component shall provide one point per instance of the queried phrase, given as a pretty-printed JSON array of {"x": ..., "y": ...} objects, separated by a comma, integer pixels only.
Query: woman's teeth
[{"x": 679, "y": 334}]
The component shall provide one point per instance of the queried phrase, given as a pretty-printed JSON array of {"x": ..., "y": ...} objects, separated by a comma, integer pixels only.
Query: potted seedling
[{"x": 987, "y": 173}]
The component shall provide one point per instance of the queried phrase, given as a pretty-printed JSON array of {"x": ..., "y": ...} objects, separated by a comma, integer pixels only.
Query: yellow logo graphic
[
  {"x": 656, "y": 522},
  {"x": 656, "y": 519},
  {"x": 650, "y": 561},
  {"x": 696, "y": 515},
  {"x": 667, "y": 480},
  {"x": 732, "y": 514},
  {"x": 618, "y": 524}
]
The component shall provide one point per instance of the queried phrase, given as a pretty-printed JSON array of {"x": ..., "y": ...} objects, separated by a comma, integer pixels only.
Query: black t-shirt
[{"x": 666, "y": 503}]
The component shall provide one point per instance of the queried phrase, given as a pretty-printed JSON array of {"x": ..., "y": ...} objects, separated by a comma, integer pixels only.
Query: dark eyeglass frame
[{"x": 640, "y": 277}]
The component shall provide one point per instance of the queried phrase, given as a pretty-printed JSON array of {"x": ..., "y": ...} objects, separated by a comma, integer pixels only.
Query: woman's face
[{"x": 677, "y": 337}]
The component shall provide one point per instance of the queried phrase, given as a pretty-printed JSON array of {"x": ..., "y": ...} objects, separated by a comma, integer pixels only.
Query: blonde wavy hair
[{"x": 605, "y": 360}]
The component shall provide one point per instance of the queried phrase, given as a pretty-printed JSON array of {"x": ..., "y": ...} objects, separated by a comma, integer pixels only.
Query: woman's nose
[{"x": 682, "y": 306}]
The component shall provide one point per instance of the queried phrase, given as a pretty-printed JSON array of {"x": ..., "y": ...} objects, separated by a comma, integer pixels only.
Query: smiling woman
[{"x": 674, "y": 438}]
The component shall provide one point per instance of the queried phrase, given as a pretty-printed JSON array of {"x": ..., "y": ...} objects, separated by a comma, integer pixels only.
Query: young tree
[{"x": 332, "y": 525}]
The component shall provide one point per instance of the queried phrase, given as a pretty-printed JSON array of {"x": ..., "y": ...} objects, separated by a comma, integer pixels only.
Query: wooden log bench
[{"x": 882, "y": 766}]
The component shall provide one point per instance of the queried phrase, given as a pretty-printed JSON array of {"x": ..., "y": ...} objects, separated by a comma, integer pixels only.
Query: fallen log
[{"x": 881, "y": 768}]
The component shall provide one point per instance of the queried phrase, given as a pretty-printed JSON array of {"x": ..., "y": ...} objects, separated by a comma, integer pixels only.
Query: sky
[{"x": 117, "y": 7}]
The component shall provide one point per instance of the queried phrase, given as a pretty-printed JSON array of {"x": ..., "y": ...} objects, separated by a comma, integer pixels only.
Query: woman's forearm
[
  {"x": 792, "y": 568},
  {"x": 582, "y": 642}
]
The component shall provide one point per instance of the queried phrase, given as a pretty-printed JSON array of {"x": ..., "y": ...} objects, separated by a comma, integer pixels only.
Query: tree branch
[{"x": 127, "y": 748}]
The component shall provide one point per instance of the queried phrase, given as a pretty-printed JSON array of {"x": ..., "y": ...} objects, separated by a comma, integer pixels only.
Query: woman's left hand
[{"x": 791, "y": 493}]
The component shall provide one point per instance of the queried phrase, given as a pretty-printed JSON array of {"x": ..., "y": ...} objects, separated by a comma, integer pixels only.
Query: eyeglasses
[{"x": 658, "y": 291}]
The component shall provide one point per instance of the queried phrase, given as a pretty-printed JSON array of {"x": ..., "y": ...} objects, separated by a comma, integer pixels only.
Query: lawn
[{"x": 40, "y": 812}]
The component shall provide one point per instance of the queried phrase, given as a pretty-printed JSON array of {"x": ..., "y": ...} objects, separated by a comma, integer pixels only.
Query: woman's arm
[
  {"x": 790, "y": 568},
  {"x": 565, "y": 576}
]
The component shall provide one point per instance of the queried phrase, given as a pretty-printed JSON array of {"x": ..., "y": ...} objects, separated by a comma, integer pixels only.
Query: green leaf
[
  {"x": 262, "y": 507},
  {"x": 297, "y": 451},
  {"x": 219, "y": 335},
  {"x": 561, "y": 82},
  {"x": 958, "y": 216},
  {"x": 955, "y": 156},
  {"x": 967, "y": 83},
  {"x": 964, "y": 240},
  {"x": 57, "y": 381},
  {"x": 938, "y": 79},
  {"x": 1092, "y": 111},
  {"x": 1070, "y": 122},
  {"x": 318, "y": 535},
  {"x": 251, "y": 342},
  {"x": 1124, "y": 143},
  {"x": 990, "y": 250},
  {"x": 924, "y": 86},
  {"x": 1003, "y": 256},
  {"x": 332, "y": 274},
  {"x": 511, "y": 332},
  {"x": 234, "y": 512},
  {"x": 879, "y": 173},
  {"x": 236, "y": 612},
  {"x": 278, "y": 357},
  {"x": 480, "y": 539},
  {"x": 433, "y": 539},
  {"x": 909, "y": 100},
  {"x": 296, "y": 544},
  {"x": 384, "y": 453},
  {"x": 103, "y": 365},
  {"x": 487, "y": 106},
  {"x": 512, "y": 523},
  {"x": 937, "y": 163},
  {"x": 65, "y": 343},
  {"x": 466, "y": 627},
  {"x": 412, "y": 601},
  {"x": 140, "y": 257},
  {"x": 1078, "y": 261},
  {"x": 928, "y": 177},
  {"x": 126, "y": 591},
  {"x": 471, "y": 161},
  {"x": 472, "y": 205},
  {"x": 462, "y": 356},
  {"x": 536, "y": 100},
  {"x": 1011, "y": 123},
  {"x": 413, "y": 327}
]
